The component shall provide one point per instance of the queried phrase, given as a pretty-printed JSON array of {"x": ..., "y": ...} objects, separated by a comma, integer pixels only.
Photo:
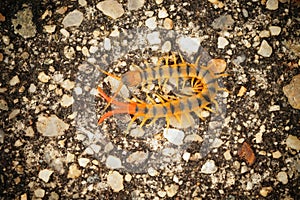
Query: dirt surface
[{"x": 52, "y": 148}]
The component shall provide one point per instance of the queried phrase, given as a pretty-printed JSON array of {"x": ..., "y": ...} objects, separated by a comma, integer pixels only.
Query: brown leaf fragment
[{"x": 246, "y": 153}]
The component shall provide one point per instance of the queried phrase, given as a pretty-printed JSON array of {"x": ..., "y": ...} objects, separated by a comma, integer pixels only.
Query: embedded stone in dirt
[
  {"x": 292, "y": 92},
  {"x": 111, "y": 8},
  {"x": 51, "y": 126}
]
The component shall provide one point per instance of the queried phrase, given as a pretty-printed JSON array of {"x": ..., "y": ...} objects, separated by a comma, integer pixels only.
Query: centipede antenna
[{"x": 114, "y": 96}]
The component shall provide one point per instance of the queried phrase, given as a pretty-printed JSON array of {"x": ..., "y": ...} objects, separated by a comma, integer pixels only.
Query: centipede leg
[
  {"x": 143, "y": 121},
  {"x": 198, "y": 113}
]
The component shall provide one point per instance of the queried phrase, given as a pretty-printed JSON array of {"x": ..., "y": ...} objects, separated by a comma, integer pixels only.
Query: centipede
[
  {"x": 204, "y": 84},
  {"x": 206, "y": 76},
  {"x": 150, "y": 111}
]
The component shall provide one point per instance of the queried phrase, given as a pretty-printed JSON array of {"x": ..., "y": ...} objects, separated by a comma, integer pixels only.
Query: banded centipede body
[
  {"x": 174, "y": 108},
  {"x": 204, "y": 84},
  {"x": 206, "y": 76}
]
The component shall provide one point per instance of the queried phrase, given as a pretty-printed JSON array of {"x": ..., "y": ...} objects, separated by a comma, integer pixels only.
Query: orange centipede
[
  {"x": 167, "y": 109},
  {"x": 206, "y": 76}
]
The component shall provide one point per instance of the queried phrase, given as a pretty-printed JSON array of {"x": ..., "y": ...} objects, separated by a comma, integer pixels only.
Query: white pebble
[
  {"x": 83, "y": 162},
  {"x": 272, "y": 4},
  {"x": 66, "y": 100},
  {"x": 45, "y": 175},
  {"x": 113, "y": 162},
  {"x": 162, "y": 13},
  {"x": 189, "y": 45},
  {"x": 74, "y": 18},
  {"x": 111, "y": 8},
  {"x": 174, "y": 136},
  {"x": 186, "y": 156},
  {"x": 115, "y": 181},
  {"x": 152, "y": 171},
  {"x": 107, "y": 44},
  {"x": 39, "y": 193},
  {"x": 135, "y": 4},
  {"x": 209, "y": 167},
  {"x": 51, "y": 126},
  {"x": 282, "y": 177},
  {"x": 275, "y": 30},
  {"x": 151, "y": 23},
  {"x": 274, "y": 108},
  {"x": 222, "y": 42},
  {"x": 265, "y": 49},
  {"x": 153, "y": 38}
]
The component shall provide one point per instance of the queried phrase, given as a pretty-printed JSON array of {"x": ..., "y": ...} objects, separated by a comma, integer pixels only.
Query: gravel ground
[{"x": 52, "y": 148}]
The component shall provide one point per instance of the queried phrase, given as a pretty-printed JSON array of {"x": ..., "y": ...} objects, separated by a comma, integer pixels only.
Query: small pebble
[
  {"x": 174, "y": 136},
  {"x": 66, "y": 100},
  {"x": 14, "y": 81},
  {"x": 14, "y": 113},
  {"x": 113, "y": 162},
  {"x": 189, "y": 45},
  {"x": 64, "y": 32},
  {"x": 135, "y": 4},
  {"x": 111, "y": 8},
  {"x": 39, "y": 193},
  {"x": 32, "y": 88},
  {"x": 128, "y": 177},
  {"x": 292, "y": 92},
  {"x": 276, "y": 154},
  {"x": 227, "y": 155},
  {"x": 73, "y": 18},
  {"x": 222, "y": 42},
  {"x": 137, "y": 157},
  {"x": 162, "y": 13},
  {"x": 45, "y": 175},
  {"x": 264, "y": 34},
  {"x": 265, "y": 49},
  {"x": 115, "y": 181},
  {"x": 67, "y": 84},
  {"x": 23, "y": 24},
  {"x": 186, "y": 156},
  {"x": 293, "y": 142},
  {"x": 274, "y": 108},
  {"x": 82, "y": 3},
  {"x": 209, "y": 167},
  {"x": 223, "y": 22},
  {"x": 282, "y": 177},
  {"x": 151, "y": 23},
  {"x": 272, "y": 4},
  {"x": 51, "y": 126},
  {"x": 275, "y": 30},
  {"x": 50, "y": 28},
  {"x": 152, "y": 171},
  {"x": 2, "y": 17},
  {"x": 44, "y": 78},
  {"x": 153, "y": 38},
  {"x": 265, "y": 191},
  {"x": 83, "y": 162},
  {"x": 74, "y": 172},
  {"x": 171, "y": 190},
  {"x": 3, "y": 105},
  {"x": 107, "y": 44},
  {"x": 69, "y": 52},
  {"x": 168, "y": 24},
  {"x": 29, "y": 132},
  {"x": 242, "y": 91},
  {"x": 161, "y": 193}
]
